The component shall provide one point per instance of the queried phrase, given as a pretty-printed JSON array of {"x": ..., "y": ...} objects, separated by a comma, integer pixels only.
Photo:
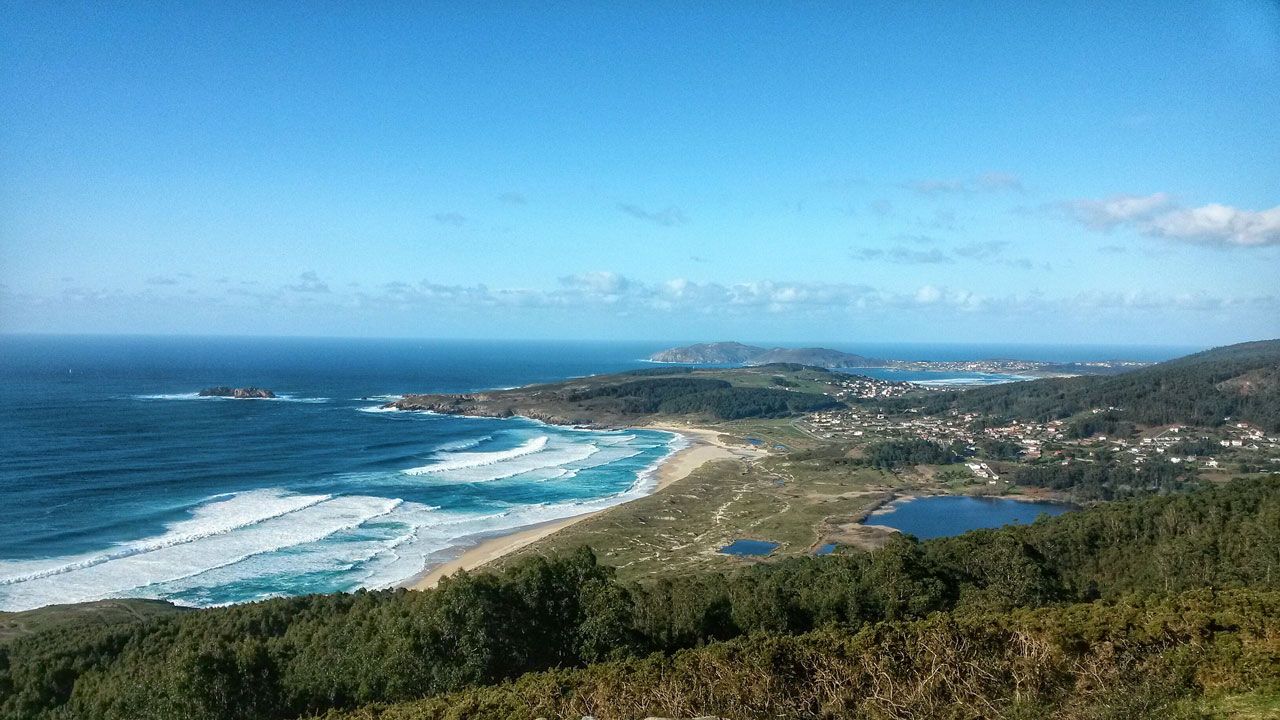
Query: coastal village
[{"x": 1223, "y": 448}]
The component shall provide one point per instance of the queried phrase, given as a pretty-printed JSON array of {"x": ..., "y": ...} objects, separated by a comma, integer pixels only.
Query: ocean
[{"x": 116, "y": 480}]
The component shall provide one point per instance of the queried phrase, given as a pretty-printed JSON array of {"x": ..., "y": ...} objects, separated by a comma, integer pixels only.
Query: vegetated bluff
[
  {"x": 630, "y": 398},
  {"x": 1233, "y": 383}
]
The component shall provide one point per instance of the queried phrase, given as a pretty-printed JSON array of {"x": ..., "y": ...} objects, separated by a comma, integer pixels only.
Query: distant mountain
[
  {"x": 1240, "y": 382},
  {"x": 717, "y": 353},
  {"x": 735, "y": 353},
  {"x": 817, "y": 357}
]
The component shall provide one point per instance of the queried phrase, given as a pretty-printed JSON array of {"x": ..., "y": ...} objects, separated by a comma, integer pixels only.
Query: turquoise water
[
  {"x": 118, "y": 481},
  {"x": 946, "y": 515}
]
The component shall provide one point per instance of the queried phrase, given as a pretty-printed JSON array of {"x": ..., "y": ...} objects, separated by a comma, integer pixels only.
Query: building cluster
[
  {"x": 858, "y": 387},
  {"x": 1038, "y": 439}
]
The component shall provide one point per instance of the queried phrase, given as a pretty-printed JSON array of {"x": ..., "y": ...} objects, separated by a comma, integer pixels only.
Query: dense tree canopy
[
  {"x": 1104, "y": 478},
  {"x": 1240, "y": 382},
  {"x": 890, "y": 454},
  {"x": 291, "y": 657},
  {"x": 705, "y": 396}
]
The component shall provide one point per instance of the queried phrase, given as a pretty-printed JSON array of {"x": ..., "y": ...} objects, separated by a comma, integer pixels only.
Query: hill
[
  {"x": 648, "y": 395},
  {"x": 717, "y": 353},
  {"x": 1233, "y": 383},
  {"x": 735, "y": 353},
  {"x": 1164, "y": 612}
]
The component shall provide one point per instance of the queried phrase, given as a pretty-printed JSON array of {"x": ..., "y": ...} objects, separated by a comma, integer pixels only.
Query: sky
[{"x": 1073, "y": 172}]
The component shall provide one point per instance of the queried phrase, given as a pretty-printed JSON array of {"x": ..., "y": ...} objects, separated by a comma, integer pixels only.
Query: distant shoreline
[
  {"x": 703, "y": 446},
  {"x": 906, "y": 366}
]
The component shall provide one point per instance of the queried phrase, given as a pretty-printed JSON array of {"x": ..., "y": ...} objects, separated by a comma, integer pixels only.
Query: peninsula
[
  {"x": 739, "y": 354},
  {"x": 654, "y": 395}
]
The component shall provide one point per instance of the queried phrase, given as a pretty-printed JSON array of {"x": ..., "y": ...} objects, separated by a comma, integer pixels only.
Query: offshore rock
[{"x": 242, "y": 393}]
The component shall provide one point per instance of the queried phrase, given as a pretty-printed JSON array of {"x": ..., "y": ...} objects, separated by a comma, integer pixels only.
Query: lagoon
[
  {"x": 749, "y": 547},
  {"x": 946, "y": 515}
]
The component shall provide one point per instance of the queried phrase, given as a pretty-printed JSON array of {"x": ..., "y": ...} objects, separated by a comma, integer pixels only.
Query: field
[{"x": 799, "y": 504}]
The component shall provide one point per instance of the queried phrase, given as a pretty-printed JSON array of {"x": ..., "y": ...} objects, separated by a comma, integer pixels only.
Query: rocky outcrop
[{"x": 241, "y": 393}]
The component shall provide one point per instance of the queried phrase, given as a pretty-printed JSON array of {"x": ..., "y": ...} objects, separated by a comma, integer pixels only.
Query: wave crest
[{"x": 461, "y": 461}]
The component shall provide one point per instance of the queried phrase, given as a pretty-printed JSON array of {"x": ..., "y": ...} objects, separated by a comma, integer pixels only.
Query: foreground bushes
[
  {"x": 1138, "y": 659},
  {"x": 302, "y": 656}
]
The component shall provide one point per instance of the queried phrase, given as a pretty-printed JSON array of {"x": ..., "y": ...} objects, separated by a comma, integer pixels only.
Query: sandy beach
[{"x": 704, "y": 445}]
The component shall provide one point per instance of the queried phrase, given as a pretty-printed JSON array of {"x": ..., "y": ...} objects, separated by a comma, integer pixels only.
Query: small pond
[
  {"x": 945, "y": 515},
  {"x": 749, "y": 547}
]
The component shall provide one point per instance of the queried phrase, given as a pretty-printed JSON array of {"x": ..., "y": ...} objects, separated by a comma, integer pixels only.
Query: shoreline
[{"x": 703, "y": 446}]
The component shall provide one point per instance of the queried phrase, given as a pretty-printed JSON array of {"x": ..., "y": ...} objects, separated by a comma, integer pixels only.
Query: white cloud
[
  {"x": 600, "y": 283},
  {"x": 1219, "y": 224},
  {"x": 1156, "y": 215},
  {"x": 1117, "y": 210},
  {"x": 928, "y": 295},
  {"x": 591, "y": 298}
]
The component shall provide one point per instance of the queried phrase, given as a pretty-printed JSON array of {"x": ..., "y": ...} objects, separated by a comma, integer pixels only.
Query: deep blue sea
[{"x": 117, "y": 481}]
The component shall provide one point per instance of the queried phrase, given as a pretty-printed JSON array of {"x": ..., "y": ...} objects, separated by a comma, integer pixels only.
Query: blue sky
[{"x": 1044, "y": 172}]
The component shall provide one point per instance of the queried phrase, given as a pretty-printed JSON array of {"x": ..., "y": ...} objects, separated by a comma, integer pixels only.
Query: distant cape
[{"x": 735, "y": 353}]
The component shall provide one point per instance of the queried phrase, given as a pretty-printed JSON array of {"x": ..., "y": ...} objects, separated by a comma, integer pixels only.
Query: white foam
[
  {"x": 180, "y": 553},
  {"x": 458, "y": 461},
  {"x": 219, "y": 515},
  {"x": 378, "y": 409},
  {"x": 271, "y": 542},
  {"x": 554, "y": 457}
]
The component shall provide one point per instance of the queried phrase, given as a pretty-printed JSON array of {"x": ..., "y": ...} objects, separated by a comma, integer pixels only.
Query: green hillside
[
  {"x": 1240, "y": 382},
  {"x": 1177, "y": 658},
  {"x": 797, "y": 621}
]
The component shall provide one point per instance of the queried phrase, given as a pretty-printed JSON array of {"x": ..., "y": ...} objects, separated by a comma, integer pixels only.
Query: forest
[
  {"x": 705, "y": 396},
  {"x": 1142, "y": 604},
  {"x": 891, "y": 454},
  {"x": 1241, "y": 382},
  {"x": 1140, "y": 658},
  {"x": 1104, "y": 478}
]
